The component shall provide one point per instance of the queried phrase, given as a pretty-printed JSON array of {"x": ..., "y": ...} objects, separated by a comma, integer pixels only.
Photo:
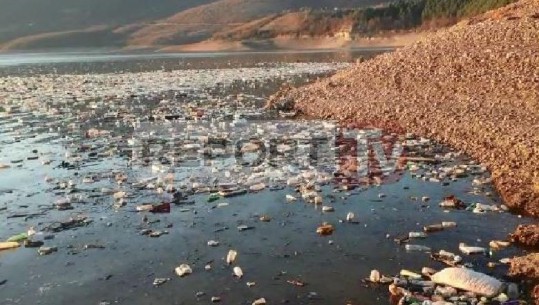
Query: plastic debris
[
  {"x": 375, "y": 276},
  {"x": 160, "y": 281},
  {"x": 327, "y": 209},
  {"x": 452, "y": 202},
  {"x": 471, "y": 250},
  {"x": 46, "y": 250},
  {"x": 419, "y": 248},
  {"x": 290, "y": 198},
  {"x": 417, "y": 235},
  {"x": 468, "y": 280},
  {"x": 265, "y": 218},
  {"x": 231, "y": 256},
  {"x": 325, "y": 229},
  {"x": 260, "y": 301},
  {"x": 498, "y": 244},
  {"x": 18, "y": 238},
  {"x": 8, "y": 245},
  {"x": 433, "y": 228},
  {"x": 213, "y": 243},
  {"x": 183, "y": 270},
  {"x": 33, "y": 244},
  {"x": 410, "y": 274},
  {"x": 238, "y": 272}
]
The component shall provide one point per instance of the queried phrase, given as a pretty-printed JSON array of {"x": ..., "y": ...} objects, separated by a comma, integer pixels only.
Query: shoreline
[
  {"x": 291, "y": 44},
  {"x": 278, "y": 44}
]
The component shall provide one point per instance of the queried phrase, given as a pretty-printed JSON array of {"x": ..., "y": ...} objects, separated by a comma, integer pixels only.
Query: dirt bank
[
  {"x": 527, "y": 267},
  {"x": 527, "y": 235},
  {"x": 474, "y": 86}
]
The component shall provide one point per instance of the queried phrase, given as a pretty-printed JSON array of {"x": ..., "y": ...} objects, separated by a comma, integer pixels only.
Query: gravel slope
[{"x": 474, "y": 86}]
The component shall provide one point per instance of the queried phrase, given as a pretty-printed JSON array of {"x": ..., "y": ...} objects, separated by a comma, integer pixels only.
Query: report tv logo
[{"x": 272, "y": 148}]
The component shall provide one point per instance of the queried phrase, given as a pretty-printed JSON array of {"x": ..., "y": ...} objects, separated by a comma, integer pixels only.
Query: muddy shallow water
[{"x": 108, "y": 260}]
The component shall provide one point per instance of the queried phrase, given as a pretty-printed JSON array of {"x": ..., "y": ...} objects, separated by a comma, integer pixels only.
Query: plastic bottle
[
  {"x": 410, "y": 274},
  {"x": 8, "y": 245},
  {"x": 471, "y": 249},
  {"x": 18, "y": 237},
  {"x": 449, "y": 224},
  {"x": 417, "y": 248},
  {"x": 433, "y": 228},
  {"x": 417, "y": 235}
]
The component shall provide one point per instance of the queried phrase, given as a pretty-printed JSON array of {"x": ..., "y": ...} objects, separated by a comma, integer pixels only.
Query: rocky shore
[{"x": 474, "y": 86}]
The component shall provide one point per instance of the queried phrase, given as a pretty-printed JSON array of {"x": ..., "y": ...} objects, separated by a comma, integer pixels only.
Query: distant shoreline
[
  {"x": 279, "y": 44},
  {"x": 63, "y": 56},
  {"x": 289, "y": 44}
]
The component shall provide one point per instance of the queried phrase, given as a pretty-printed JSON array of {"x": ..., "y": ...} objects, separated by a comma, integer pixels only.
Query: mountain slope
[
  {"x": 20, "y": 18},
  {"x": 202, "y": 21},
  {"x": 402, "y": 15}
]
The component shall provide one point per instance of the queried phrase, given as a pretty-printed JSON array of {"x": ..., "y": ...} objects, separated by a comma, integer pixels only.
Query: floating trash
[
  {"x": 183, "y": 270},
  {"x": 231, "y": 256},
  {"x": 238, "y": 272}
]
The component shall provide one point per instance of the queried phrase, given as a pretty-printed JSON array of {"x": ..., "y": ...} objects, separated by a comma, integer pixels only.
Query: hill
[
  {"x": 202, "y": 22},
  {"x": 224, "y": 24},
  {"x": 400, "y": 15},
  {"x": 31, "y": 24},
  {"x": 19, "y": 18}
]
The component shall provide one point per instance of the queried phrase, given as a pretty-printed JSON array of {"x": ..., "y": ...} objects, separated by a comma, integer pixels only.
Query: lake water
[
  {"x": 45, "y": 139},
  {"x": 103, "y": 62}
]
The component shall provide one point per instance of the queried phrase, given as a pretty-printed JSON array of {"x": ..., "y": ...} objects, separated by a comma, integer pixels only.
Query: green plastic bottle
[
  {"x": 18, "y": 238},
  {"x": 213, "y": 197}
]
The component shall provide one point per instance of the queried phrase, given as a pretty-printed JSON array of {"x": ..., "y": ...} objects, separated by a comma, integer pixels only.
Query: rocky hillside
[
  {"x": 474, "y": 86},
  {"x": 302, "y": 23},
  {"x": 203, "y": 21}
]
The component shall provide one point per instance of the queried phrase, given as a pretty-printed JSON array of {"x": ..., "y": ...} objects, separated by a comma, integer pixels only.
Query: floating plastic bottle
[
  {"x": 419, "y": 248},
  {"x": 417, "y": 235},
  {"x": 8, "y": 245}
]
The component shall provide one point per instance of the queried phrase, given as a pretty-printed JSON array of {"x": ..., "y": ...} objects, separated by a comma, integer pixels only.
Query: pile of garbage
[{"x": 452, "y": 285}]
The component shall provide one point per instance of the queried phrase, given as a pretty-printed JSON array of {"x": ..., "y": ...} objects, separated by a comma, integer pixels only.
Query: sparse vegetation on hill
[{"x": 399, "y": 15}]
